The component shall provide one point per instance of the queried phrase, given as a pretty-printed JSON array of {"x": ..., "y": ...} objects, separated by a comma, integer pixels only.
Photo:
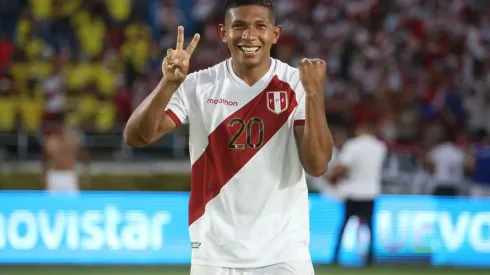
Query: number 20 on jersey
[{"x": 253, "y": 129}]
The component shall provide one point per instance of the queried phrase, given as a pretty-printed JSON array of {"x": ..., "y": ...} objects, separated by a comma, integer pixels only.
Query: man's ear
[
  {"x": 277, "y": 33},
  {"x": 222, "y": 33}
]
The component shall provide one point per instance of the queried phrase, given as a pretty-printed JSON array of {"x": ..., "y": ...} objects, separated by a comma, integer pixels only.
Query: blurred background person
[
  {"x": 448, "y": 163},
  {"x": 360, "y": 164},
  {"x": 322, "y": 184},
  {"x": 62, "y": 149}
]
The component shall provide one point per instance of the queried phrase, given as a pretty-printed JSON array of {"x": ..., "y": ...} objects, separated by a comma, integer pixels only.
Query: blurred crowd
[
  {"x": 420, "y": 68},
  {"x": 86, "y": 58}
]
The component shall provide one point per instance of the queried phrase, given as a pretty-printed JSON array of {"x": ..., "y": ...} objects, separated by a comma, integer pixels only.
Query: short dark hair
[
  {"x": 58, "y": 118},
  {"x": 368, "y": 126},
  {"x": 237, "y": 3}
]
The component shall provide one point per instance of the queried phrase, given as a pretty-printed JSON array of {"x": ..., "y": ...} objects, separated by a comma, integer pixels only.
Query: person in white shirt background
[
  {"x": 360, "y": 164},
  {"x": 448, "y": 162},
  {"x": 322, "y": 184}
]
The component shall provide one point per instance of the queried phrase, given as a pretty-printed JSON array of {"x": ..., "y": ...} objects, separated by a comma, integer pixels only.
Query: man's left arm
[{"x": 313, "y": 137}]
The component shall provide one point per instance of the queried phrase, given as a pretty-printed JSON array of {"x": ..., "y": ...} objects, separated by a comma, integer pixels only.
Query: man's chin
[{"x": 248, "y": 61}]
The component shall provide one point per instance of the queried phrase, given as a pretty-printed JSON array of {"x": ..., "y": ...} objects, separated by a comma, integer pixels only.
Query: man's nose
[{"x": 249, "y": 34}]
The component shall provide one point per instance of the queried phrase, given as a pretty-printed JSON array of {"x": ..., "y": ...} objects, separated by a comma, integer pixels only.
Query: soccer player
[{"x": 256, "y": 125}]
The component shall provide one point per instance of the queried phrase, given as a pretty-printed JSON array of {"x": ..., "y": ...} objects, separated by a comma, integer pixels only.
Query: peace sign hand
[{"x": 175, "y": 65}]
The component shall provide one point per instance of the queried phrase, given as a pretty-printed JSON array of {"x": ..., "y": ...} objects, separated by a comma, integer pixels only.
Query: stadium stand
[{"x": 417, "y": 67}]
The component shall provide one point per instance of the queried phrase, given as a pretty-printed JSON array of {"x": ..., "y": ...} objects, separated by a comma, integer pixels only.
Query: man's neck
[{"x": 253, "y": 74}]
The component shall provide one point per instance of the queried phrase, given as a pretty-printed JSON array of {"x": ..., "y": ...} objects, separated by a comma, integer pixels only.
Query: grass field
[{"x": 165, "y": 270}]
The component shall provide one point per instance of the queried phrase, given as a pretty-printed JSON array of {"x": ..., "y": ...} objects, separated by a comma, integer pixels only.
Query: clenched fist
[
  {"x": 312, "y": 73},
  {"x": 175, "y": 66}
]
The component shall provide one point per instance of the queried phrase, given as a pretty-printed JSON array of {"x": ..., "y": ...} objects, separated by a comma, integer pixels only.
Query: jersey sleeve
[
  {"x": 178, "y": 106},
  {"x": 300, "y": 112}
]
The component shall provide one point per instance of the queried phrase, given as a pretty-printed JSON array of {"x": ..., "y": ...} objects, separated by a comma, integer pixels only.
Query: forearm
[
  {"x": 316, "y": 145},
  {"x": 143, "y": 123}
]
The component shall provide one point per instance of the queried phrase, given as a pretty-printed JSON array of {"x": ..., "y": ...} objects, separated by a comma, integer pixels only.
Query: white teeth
[{"x": 249, "y": 49}]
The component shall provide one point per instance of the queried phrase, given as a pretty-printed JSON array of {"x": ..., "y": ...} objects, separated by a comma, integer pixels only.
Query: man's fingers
[
  {"x": 180, "y": 38},
  {"x": 166, "y": 64},
  {"x": 305, "y": 61},
  {"x": 192, "y": 46},
  {"x": 182, "y": 65},
  {"x": 173, "y": 57},
  {"x": 170, "y": 55},
  {"x": 320, "y": 61}
]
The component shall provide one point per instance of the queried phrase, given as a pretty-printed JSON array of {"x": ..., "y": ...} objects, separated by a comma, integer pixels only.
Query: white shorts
[
  {"x": 289, "y": 268},
  {"x": 62, "y": 181}
]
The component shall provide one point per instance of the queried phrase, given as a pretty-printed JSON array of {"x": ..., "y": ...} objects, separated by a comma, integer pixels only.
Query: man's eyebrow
[
  {"x": 259, "y": 21},
  {"x": 237, "y": 21},
  {"x": 263, "y": 21}
]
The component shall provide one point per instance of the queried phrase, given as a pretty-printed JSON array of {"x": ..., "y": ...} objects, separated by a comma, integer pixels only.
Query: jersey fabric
[
  {"x": 248, "y": 205},
  {"x": 449, "y": 162},
  {"x": 364, "y": 157}
]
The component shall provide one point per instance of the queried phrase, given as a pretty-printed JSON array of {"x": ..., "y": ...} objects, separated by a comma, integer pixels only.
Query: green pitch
[{"x": 165, "y": 270}]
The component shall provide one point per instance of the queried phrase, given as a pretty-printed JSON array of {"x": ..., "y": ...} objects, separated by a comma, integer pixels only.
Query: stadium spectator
[
  {"x": 55, "y": 92},
  {"x": 7, "y": 50},
  {"x": 31, "y": 106},
  {"x": 481, "y": 173},
  {"x": 407, "y": 64},
  {"x": 8, "y": 112},
  {"x": 119, "y": 10}
]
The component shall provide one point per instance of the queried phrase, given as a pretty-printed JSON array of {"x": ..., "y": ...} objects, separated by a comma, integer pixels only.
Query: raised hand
[
  {"x": 312, "y": 73},
  {"x": 175, "y": 65}
]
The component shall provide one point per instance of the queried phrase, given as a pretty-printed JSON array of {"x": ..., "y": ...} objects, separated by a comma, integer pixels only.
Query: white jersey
[
  {"x": 249, "y": 201},
  {"x": 449, "y": 161},
  {"x": 364, "y": 157}
]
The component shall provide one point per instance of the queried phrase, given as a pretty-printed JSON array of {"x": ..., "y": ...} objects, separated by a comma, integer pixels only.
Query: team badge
[{"x": 277, "y": 101}]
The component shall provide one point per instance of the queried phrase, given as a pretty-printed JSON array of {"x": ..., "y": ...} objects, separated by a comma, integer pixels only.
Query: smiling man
[{"x": 256, "y": 125}]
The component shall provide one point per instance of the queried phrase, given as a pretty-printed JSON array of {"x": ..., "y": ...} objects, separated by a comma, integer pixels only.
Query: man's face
[{"x": 249, "y": 32}]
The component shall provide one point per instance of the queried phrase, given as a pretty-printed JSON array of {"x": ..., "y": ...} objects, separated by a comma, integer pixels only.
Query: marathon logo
[{"x": 222, "y": 101}]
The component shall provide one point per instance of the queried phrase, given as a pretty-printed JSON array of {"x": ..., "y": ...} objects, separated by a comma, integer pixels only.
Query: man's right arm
[{"x": 149, "y": 121}]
